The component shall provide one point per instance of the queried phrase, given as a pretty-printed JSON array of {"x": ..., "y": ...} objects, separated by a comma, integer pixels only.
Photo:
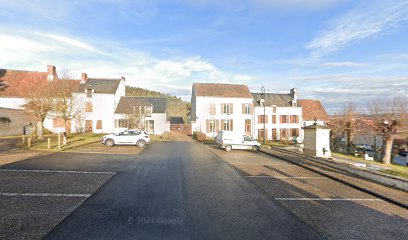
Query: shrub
[{"x": 199, "y": 136}]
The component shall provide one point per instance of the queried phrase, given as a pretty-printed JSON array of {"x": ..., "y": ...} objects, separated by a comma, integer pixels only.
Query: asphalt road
[{"x": 180, "y": 190}]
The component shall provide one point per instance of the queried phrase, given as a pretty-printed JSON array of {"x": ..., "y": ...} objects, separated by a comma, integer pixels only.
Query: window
[
  {"x": 273, "y": 108},
  {"x": 295, "y": 132},
  {"x": 88, "y": 107},
  {"x": 89, "y": 93},
  {"x": 99, "y": 124},
  {"x": 284, "y": 119},
  {"x": 262, "y": 118},
  {"x": 122, "y": 123},
  {"x": 212, "y": 110},
  {"x": 247, "y": 138},
  {"x": 247, "y": 126},
  {"x": 274, "y": 134},
  {"x": 261, "y": 134},
  {"x": 246, "y": 108},
  {"x": 294, "y": 119},
  {"x": 273, "y": 119},
  {"x": 148, "y": 111},
  {"x": 226, "y": 125},
  {"x": 212, "y": 125},
  {"x": 88, "y": 125},
  {"x": 284, "y": 134},
  {"x": 226, "y": 108}
]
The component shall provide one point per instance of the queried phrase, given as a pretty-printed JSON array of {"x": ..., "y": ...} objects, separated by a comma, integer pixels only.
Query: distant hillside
[{"x": 175, "y": 106}]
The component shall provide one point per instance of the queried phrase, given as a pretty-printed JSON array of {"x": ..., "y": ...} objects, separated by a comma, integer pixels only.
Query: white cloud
[
  {"x": 364, "y": 21},
  {"x": 32, "y": 50}
]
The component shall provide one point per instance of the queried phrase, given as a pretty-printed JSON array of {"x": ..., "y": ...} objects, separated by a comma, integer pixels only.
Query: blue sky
[{"x": 337, "y": 51}]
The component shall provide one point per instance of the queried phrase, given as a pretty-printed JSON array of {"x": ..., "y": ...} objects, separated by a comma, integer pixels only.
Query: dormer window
[
  {"x": 89, "y": 93},
  {"x": 148, "y": 111}
]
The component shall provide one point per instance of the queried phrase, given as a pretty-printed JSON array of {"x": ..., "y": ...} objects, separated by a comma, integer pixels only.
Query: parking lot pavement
[
  {"x": 102, "y": 149},
  {"x": 38, "y": 193},
  {"x": 335, "y": 210}
]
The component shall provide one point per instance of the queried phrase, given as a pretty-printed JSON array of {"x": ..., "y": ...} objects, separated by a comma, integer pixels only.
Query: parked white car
[
  {"x": 128, "y": 137},
  {"x": 230, "y": 140}
]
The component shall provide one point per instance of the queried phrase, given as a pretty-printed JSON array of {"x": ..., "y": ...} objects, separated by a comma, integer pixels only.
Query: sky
[{"x": 337, "y": 51}]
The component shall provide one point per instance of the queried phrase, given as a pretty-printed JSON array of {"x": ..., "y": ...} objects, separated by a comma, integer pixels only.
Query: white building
[
  {"x": 150, "y": 111},
  {"x": 313, "y": 113},
  {"x": 97, "y": 101},
  {"x": 279, "y": 115},
  {"x": 216, "y": 107}
]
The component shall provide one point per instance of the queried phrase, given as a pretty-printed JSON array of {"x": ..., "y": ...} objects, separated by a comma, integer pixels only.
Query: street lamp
[{"x": 264, "y": 117}]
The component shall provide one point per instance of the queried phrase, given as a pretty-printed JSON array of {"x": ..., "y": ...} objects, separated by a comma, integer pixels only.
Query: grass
[
  {"x": 396, "y": 170},
  {"x": 73, "y": 141},
  {"x": 160, "y": 138}
]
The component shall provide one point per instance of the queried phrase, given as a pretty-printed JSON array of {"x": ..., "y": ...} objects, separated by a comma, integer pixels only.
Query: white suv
[{"x": 128, "y": 137}]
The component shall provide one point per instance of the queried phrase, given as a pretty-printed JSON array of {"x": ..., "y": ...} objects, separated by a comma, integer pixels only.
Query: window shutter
[
  {"x": 222, "y": 124},
  {"x": 281, "y": 119},
  {"x": 243, "y": 108},
  {"x": 99, "y": 124},
  {"x": 231, "y": 125},
  {"x": 231, "y": 108},
  {"x": 266, "y": 118},
  {"x": 273, "y": 118},
  {"x": 259, "y": 119},
  {"x": 217, "y": 125},
  {"x": 222, "y": 108}
]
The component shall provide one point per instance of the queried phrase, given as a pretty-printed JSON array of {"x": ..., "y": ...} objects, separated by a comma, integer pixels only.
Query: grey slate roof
[
  {"x": 280, "y": 100},
  {"x": 100, "y": 85},
  {"x": 159, "y": 104}
]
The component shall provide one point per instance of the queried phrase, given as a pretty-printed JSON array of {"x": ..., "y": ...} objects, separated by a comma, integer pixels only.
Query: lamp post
[{"x": 264, "y": 117}]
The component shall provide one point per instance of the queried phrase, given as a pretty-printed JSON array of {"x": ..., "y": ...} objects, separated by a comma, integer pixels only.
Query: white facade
[
  {"x": 317, "y": 141},
  {"x": 208, "y": 111},
  {"x": 158, "y": 120},
  {"x": 275, "y": 128}
]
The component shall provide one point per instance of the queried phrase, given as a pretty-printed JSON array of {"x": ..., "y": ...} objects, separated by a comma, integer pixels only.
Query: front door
[{"x": 150, "y": 126}]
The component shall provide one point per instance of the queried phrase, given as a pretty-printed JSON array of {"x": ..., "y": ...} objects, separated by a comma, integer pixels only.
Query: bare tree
[
  {"x": 347, "y": 123},
  {"x": 136, "y": 113},
  {"x": 3, "y": 85},
  {"x": 38, "y": 96},
  {"x": 67, "y": 106},
  {"x": 388, "y": 118}
]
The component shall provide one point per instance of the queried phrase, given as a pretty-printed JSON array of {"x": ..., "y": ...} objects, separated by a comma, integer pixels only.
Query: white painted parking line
[
  {"x": 43, "y": 195},
  {"x": 286, "y": 177},
  {"x": 54, "y": 171},
  {"x": 330, "y": 199}
]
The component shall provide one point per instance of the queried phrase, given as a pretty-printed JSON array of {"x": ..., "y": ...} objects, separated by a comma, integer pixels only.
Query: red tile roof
[
  {"x": 313, "y": 109},
  {"x": 18, "y": 81},
  {"x": 221, "y": 90}
]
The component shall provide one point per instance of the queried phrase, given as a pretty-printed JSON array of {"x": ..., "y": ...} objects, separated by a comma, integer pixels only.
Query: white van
[{"x": 231, "y": 140}]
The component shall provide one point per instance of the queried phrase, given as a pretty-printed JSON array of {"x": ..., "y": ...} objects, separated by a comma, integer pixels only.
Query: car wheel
[
  {"x": 109, "y": 143},
  {"x": 141, "y": 143},
  {"x": 255, "y": 148},
  {"x": 228, "y": 148}
]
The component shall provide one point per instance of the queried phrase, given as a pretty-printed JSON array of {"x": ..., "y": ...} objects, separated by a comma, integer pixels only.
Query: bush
[{"x": 199, "y": 136}]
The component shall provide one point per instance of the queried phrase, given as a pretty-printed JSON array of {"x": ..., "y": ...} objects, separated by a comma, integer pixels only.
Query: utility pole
[{"x": 264, "y": 115}]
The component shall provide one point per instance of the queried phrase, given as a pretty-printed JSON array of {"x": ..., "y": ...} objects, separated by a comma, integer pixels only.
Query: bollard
[
  {"x": 29, "y": 142},
  {"x": 49, "y": 143},
  {"x": 64, "y": 140},
  {"x": 59, "y": 140},
  {"x": 23, "y": 139}
]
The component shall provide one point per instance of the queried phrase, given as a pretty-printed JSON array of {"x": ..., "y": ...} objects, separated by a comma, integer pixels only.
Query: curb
[{"x": 378, "y": 195}]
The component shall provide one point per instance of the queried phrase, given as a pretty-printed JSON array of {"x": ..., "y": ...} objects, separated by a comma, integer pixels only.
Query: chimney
[
  {"x": 123, "y": 78},
  {"x": 51, "y": 73},
  {"x": 84, "y": 77},
  {"x": 294, "y": 95}
]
